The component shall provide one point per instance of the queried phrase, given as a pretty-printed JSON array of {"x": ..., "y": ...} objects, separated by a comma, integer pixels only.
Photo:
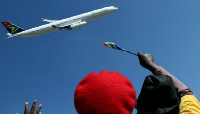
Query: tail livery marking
[{"x": 12, "y": 29}]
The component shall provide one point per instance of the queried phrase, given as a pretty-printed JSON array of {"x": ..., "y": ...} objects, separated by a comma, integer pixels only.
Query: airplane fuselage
[{"x": 68, "y": 23}]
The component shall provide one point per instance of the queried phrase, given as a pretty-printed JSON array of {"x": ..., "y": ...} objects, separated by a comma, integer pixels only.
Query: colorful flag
[{"x": 114, "y": 46}]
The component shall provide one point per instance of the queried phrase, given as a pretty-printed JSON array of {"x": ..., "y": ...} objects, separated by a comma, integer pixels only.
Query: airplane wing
[
  {"x": 71, "y": 26},
  {"x": 48, "y": 20},
  {"x": 61, "y": 27}
]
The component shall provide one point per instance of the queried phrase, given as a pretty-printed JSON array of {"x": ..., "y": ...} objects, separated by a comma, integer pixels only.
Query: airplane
[{"x": 70, "y": 23}]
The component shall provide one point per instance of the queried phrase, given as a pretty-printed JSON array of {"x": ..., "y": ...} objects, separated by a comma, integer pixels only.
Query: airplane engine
[{"x": 77, "y": 25}]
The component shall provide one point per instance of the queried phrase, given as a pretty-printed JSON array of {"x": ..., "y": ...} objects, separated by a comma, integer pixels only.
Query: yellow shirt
[{"x": 189, "y": 105}]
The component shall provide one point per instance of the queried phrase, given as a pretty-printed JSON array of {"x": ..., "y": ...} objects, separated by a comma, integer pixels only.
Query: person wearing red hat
[
  {"x": 104, "y": 93},
  {"x": 112, "y": 93}
]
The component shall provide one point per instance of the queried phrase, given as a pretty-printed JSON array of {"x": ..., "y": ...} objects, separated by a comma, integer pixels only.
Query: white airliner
[{"x": 68, "y": 23}]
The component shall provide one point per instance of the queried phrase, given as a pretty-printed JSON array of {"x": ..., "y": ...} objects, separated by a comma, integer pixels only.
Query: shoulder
[{"x": 189, "y": 104}]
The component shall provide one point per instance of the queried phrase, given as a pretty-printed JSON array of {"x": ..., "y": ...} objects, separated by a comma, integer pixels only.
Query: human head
[
  {"x": 103, "y": 93},
  {"x": 158, "y": 96}
]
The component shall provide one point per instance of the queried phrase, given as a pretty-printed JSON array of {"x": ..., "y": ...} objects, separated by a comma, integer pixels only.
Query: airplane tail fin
[{"x": 12, "y": 29}]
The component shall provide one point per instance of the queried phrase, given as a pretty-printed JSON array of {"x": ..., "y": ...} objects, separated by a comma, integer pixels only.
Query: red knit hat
[{"x": 105, "y": 93}]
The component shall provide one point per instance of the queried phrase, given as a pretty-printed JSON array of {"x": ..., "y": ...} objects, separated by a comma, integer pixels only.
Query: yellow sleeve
[{"x": 189, "y": 105}]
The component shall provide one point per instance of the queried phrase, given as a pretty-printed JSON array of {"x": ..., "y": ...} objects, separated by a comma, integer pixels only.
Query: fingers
[
  {"x": 144, "y": 57},
  {"x": 26, "y": 111},
  {"x": 147, "y": 61},
  {"x": 38, "y": 109},
  {"x": 140, "y": 53},
  {"x": 33, "y": 107}
]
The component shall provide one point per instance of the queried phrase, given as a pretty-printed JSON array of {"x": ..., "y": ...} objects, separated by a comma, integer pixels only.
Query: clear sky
[{"x": 49, "y": 67}]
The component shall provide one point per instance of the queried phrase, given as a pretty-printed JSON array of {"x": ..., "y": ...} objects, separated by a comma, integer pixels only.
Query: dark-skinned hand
[
  {"x": 26, "y": 110},
  {"x": 147, "y": 61}
]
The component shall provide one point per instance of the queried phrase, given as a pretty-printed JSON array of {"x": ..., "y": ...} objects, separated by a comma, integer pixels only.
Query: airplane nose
[
  {"x": 113, "y": 9},
  {"x": 116, "y": 8}
]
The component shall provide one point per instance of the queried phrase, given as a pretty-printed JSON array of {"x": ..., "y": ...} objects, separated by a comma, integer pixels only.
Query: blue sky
[{"x": 49, "y": 67}]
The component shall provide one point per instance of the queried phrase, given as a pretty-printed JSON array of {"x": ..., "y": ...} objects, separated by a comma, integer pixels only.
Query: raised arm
[{"x": 147, "y": 61}]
